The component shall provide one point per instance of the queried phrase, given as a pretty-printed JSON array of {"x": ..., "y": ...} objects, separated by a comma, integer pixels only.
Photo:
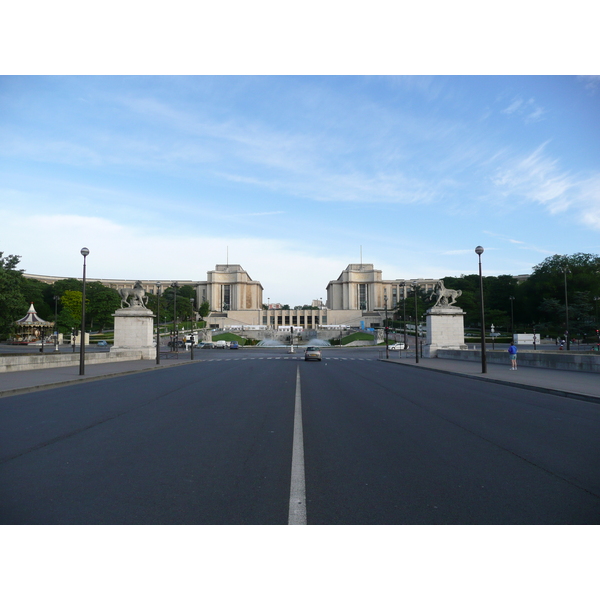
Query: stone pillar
[
  {"x": 445, "y": 330},
  {"x": 134, "y": 330}
]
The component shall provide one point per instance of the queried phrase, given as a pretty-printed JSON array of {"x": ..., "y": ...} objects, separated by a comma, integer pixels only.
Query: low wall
[
  {"x": 49, "y": 361},
  {"x": 563, "y": 361}
]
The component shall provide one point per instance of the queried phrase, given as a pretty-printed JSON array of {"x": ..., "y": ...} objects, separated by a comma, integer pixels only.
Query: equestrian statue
[
  {"x": 137, "y": 294},
  {"x": 444, "y": 297}
]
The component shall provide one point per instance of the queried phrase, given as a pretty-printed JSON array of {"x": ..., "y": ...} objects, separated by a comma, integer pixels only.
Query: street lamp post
[
  {"x": 175, "y": 330},
  {"x": 56, "y": 298},
  {"x": 479, "y": 251},
  {"x": 84, "y": 253},
  {"x": 565, "y": 270},
  {"x": 403, "y": 284},
  {"x": 387, "y": 348},
  {"x": 512, "y": 319},
  {"x": 416, "y": 287},
  {"x": 192, "y": 337},
  {"x": 158, "y": 286}
]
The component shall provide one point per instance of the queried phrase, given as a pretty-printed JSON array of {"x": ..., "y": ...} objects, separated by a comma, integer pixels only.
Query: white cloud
[
  {"x": 288, "y": 272},
  {"x": 530, "y": 111},
  {"x": 537, "y": 178},
  {"x": 513, "y": 106}
]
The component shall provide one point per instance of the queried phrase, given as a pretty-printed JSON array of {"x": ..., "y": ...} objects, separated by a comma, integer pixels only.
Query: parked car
[
  {"x": 102, "y": 343},
  {"x": 234, "y": 346},
  {"x": 206, "y": 345},
  {"x": 312, "y": 353},
  {"x": 397, "y": 346},
  {"x": 221, "y": 344}
]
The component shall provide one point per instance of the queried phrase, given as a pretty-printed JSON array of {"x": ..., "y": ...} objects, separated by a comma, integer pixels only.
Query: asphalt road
[{"x": 211, "y": 442}]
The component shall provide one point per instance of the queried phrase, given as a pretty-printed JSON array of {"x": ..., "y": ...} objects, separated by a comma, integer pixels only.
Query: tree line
[
  {"x": 63, "y": 299},
  {"x": 540, "y": 301},
  {"x": 559, "y": 285}
]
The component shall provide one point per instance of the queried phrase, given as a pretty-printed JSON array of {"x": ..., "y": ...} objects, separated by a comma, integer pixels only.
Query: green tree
[
  {"x": 184, "y": 306},
  {"x": 547, "y": 282},
  {"x": 13, "y": 304},
  {"x": 102, "y": 302},
  {"x": 71, "y": 302},
  {"x": 39, "y": 293},
  {"x": 204, "y": 310},
  {"x": 61, "y": 286}
]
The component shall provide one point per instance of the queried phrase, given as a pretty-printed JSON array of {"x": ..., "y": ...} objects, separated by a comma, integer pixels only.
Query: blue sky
[{"x": 289, "y": 176}]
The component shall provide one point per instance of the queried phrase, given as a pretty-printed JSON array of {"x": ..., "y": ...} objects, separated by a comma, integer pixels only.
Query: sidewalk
[
  {"x": 570, "y": 384},
  {"x": 20, "y": 382}
]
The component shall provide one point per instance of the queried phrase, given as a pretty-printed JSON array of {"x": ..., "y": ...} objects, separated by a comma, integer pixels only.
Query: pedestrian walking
[{"x": 512, "y": 352}]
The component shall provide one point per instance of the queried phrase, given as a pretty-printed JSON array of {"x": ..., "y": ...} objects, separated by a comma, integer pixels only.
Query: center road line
[{"x": 297, "y": 511}]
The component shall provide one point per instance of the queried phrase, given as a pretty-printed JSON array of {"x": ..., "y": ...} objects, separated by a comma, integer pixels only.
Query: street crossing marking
[{"x": 279, "y": 358}]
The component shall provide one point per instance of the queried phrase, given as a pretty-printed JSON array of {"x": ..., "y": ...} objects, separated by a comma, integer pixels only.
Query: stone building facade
[
  {"x": 361, "y": 287},
  {"x": 355, "y": 299}
]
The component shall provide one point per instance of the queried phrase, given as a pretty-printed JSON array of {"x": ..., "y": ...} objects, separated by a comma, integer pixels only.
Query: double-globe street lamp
[
  {"x": 84, "y": 253},
  {"x": 479, "y": 251}
]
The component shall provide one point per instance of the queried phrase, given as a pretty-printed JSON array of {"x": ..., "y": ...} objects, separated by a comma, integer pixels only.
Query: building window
[
  {"x": 324, "y": 319},
  {"x": 278, "y": 319},
  {"x": 287, "y": 319},
  {"x": 362, "y": 296},
  {"x": 226, "y": 297},
  {"x": 294, "y": 320},
  {"x": 301, "y": 319},
  {"x": 264, "y": 319},
  {"x": 309, "y": 320}
]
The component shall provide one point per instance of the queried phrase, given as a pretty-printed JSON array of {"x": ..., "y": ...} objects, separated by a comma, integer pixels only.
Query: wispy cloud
[
  {"x": 509, "y": 110},
  {"x": 590, "y": 82},
  {"x": 529, "y": 110},
  {"x": 536, "y": 177}
]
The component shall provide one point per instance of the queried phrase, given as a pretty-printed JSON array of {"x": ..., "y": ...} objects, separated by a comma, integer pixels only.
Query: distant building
[
  {"x": 357, "y": 298},
  {"x": 361, "y": 287}
]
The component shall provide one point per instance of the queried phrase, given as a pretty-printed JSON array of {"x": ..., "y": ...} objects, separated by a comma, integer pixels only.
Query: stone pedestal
[
  {"x": 134, "y": 330},
  {"x": 445, "y": 330}
]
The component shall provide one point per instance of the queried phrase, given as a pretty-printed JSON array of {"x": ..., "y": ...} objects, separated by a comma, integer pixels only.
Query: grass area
[
  {"x": 230, "y": 337},
  {"x": 357, "y": 336}
]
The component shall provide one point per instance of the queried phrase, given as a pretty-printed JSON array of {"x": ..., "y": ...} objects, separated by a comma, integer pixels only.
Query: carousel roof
[{"x": 32, "y": 320}]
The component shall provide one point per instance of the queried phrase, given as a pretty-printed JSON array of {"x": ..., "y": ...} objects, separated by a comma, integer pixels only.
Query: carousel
[{"x": 31, "y": 329}]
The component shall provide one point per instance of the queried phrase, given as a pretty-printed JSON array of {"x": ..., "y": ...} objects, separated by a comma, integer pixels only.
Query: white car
[{"x": 397, "y": 346}]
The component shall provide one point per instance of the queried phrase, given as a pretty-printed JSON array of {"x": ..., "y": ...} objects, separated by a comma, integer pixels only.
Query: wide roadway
[{"x": 210, "y": 442}]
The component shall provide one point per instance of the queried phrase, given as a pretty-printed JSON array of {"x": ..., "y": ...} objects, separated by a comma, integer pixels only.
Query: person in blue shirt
[{"x": 512, "y": 352}]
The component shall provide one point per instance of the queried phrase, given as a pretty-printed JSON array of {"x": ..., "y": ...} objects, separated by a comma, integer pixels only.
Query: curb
[
  {"x": 524, "y": 386},
  {"x": 57, "y": 384}
]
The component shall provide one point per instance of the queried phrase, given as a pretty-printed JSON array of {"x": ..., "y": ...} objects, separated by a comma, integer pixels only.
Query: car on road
[
  {"x": 221, "y": 344},
  {"x": 312, "y": 353},
  {"x": 206, "y": 345},
  {"x": 102, "y": 343},
  {"x": 397, "y": 346},
  {"x": 233, "y": 346}
]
